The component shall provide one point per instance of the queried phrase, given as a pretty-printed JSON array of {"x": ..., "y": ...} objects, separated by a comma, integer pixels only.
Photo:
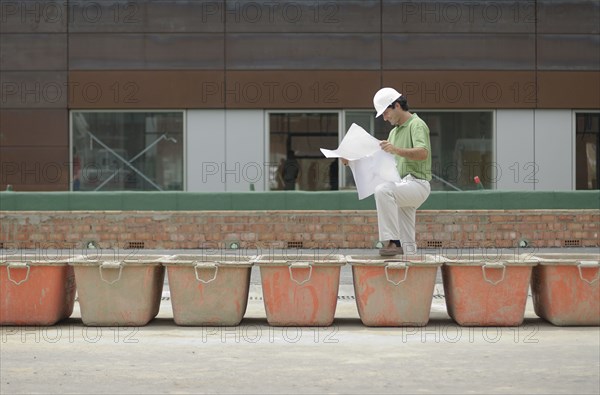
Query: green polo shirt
[{"x": 412, "y": 134}]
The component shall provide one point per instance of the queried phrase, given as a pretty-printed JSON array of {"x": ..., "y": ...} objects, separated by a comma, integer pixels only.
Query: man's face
[{"x": 392, "y": 115}]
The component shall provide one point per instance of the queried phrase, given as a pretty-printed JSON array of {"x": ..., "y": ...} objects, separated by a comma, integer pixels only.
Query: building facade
[{"x": 219, "y": 95}]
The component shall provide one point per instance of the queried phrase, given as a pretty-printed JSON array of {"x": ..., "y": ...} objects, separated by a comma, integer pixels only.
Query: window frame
[
  {"x": 574, "y": 145},
  {"x": 267, "y": 123},
  {"x": 494, "y": 148},
  {"x": 184, "y": 134}
]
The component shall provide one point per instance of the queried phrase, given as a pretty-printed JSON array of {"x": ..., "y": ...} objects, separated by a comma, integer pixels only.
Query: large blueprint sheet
[{"x": 370, "y": 165}]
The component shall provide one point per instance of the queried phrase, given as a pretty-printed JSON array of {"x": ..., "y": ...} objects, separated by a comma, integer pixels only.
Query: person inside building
[
  {"x": 334, "y": 184},
  {"x": 279, "y": 176},
  {"x": 397, "y": 202},
  {"x": 291, "y": 171}
]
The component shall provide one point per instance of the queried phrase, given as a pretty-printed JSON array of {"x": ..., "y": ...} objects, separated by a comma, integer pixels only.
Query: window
[
  {"x": 133, "y": 150},
  {"x": 295, "y": 139},
  {"x": 461, "y": 145},
  {"x": 587, "y": 157}
]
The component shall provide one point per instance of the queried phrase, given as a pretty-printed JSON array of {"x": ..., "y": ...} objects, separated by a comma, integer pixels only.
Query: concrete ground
[{"x": 347, "y": 357}]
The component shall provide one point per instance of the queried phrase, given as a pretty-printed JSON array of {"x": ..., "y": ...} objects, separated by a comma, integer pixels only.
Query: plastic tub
[
  {"x": 566, "y": 288},
  {"x": 209, "y": 290},
  {"x": 35, "y": 291},
  {"x": 393, "y": 292},
  {"x": 486, "y": 290},
  {"x": 121, "y": 292},
  {"x": 300, "y": 291}
]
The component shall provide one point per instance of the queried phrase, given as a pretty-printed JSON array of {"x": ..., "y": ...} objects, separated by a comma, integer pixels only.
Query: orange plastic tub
[
  {"x": 393, "y": 292},
  {"x": 35, "y": 291},
  {"x": 566, "y": 289},
  {"x": 487, "y": 290},
  {"x": 298, "y": 291},
  {"x": 209, "y": 290},
  {"x": 119, "y": 292}
]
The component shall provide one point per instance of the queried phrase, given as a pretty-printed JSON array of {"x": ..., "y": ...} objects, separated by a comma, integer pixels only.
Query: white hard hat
[{"x": 383, "y": 98}]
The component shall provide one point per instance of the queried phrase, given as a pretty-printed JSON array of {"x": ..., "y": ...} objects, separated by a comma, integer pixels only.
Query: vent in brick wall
[
  {"x": 433, "y": 244},
  {"x": 572, "y": 243},
  {"x": 294, "y": 244},
  {"x": 135, "y": 245}
]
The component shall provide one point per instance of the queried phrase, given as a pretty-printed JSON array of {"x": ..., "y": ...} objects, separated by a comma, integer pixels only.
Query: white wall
[
  {"x": 205, "y": 149},
  {"x": 554, "y": 150},
  {"x": 245, "y": 142},
  {"x": 225, "y": 150},
  {"x": 534, "y": 150},
  {"x": 514, "y": 150}
]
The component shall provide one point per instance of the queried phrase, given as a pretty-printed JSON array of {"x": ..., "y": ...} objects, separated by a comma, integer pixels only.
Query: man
[
  {"x": 397, "y": 202},
  {"x": 291, "y": 171}
]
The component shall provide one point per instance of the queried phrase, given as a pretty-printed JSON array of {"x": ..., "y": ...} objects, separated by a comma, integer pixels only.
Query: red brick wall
[{"x": 275, "y": 229}]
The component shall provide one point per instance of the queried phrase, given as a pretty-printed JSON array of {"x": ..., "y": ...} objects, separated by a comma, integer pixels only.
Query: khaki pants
[{"x": 397, "y": 204}]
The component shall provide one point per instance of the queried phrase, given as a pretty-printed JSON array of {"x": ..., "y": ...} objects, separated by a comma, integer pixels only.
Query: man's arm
[{"x": 409, "y": 153}]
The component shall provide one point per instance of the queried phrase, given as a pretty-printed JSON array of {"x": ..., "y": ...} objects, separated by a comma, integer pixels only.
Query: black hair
[{"x": 402, "y": 101}]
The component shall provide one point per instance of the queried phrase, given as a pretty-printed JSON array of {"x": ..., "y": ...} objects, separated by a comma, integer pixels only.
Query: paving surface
[{"x": 347, "y": 357}]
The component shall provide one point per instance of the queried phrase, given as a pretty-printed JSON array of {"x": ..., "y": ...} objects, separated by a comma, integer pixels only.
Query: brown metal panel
[
  {"x": 185, "y": 16},
  {"x": 459, "y": 52},
  {"x": 568, "y": 52},
  {"x": 34, "y": 168},
  {"x": 319, "y": 89},
  {"x": 144, "y": 16},
  {"x": 34, "y": 127},
  {"x": 569, "y": 89},
  {"x": 568, "y": 16},
  {"x": 464, "y": 89},
  {"x": 33, "y": 89},
  {"x": 299, "y": 89},
  {"x": 303, "y": 51},
  {"x": 33, "y": 52},
  {"x": 503, "y": 16},
  {"x": 145, "y": 89},
  {"x": 184, "y": 51},
  {"x": 145, "y": 51},
  {"x": 292, "y": 16},
  {"x": 39, "y": 16},
  {"x": 105, "y": 51}
]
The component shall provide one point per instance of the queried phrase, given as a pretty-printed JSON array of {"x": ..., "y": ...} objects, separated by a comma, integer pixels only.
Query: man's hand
[
  {"x": 410, "y": 153},
  {"x": 387, "y": 147}
]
